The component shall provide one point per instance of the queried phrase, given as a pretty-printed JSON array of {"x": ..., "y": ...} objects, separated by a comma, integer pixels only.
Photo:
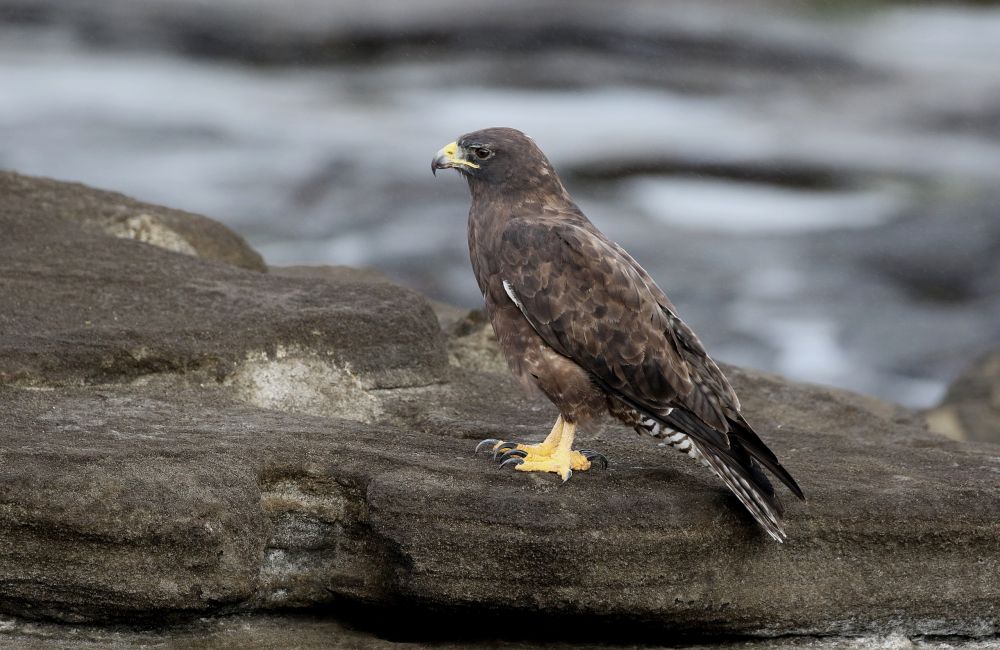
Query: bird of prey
[{"x": 578, "y": 318}]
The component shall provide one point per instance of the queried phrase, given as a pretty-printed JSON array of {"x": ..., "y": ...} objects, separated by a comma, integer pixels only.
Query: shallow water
[{"x": 776, "y": 171}]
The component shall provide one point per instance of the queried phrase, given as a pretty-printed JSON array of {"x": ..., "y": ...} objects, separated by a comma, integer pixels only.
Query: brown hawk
[{"x": 577, "y": 317}]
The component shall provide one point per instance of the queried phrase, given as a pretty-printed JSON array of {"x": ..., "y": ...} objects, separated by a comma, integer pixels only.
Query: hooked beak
[{"x": 450, "y": 157}]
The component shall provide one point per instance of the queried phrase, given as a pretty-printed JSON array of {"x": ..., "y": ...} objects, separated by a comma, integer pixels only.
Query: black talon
[
  {"x": 517, "y": 460},
  {"x": 520, "y": 453},
  {"x": 503, "y": 447},
  {"x": 595, "y": 457},
  {"x": 488, "y": 441}
]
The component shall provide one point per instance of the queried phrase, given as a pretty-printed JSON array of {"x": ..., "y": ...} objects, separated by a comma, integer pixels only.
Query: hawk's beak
[{"x": 450, "y": 157}]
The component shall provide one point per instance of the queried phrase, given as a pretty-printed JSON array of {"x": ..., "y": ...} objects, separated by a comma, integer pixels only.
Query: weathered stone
[
  {"x": 315, "y": 632},
  {"x": 971, "y": 409},
  {"x": 122, "y": 502},
  {"x": 29, "y": 198},
  {"x": 83, "y": 307},
  {"x": 184, "y": 438}
]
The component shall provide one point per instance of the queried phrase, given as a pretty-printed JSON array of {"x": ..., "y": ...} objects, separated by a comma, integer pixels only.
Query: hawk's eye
[{"x": 482, "y": 153}]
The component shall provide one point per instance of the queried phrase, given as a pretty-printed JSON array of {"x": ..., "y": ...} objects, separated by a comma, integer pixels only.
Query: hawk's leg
[{"x": 554, "y": 454}]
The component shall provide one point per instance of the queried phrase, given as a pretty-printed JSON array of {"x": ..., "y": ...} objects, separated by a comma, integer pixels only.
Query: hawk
[{"x": 578, "y": 318}]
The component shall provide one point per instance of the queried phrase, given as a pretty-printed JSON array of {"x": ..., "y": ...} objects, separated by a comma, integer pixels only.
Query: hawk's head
[{"x": 496, "y": 156}]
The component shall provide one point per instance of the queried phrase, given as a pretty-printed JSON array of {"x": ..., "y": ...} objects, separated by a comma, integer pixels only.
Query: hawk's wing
[{"x": 591, "y": 302}]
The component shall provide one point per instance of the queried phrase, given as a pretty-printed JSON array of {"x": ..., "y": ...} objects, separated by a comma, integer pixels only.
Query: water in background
[{"x": 818, "y": 191}]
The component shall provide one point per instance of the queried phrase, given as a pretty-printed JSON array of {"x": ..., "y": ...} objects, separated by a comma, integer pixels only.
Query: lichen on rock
[
  {"x": 301, "y": 381},
  {"x": 150, "y": 230}
]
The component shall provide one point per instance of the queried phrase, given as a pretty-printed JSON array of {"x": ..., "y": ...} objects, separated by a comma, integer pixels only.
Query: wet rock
[
  {"x": 933, "y": 277},
  {"x": 971, "y": 409},
  {"x": 317, "y": 33},
  {"x": 304, "y": 440},
  {"x": 946, "y": 253}
]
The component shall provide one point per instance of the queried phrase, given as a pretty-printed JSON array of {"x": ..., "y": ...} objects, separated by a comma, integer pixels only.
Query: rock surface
[
  {"x": 271, "y": 631},
  {"x": 29, "y": 199},
  {"x": 86, "y": 308},
  {"x": 182, "y": 438},
  {"x": 971, "y": 409}
]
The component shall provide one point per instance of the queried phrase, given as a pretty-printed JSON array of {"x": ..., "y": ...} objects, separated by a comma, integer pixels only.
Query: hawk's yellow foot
[
  {"x": 561, "y": 463},
  {"x": 554, "y": 454}
]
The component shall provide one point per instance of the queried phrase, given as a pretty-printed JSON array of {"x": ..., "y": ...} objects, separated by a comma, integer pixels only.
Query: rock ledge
[{"x": 182, "y": 437}]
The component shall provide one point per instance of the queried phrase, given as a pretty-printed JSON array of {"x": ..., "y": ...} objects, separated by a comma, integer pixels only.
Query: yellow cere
[{"x": 449, "y": 152}]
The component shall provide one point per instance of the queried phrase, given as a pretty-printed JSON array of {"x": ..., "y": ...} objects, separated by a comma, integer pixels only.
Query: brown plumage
[{"x": 577, "y": 317}]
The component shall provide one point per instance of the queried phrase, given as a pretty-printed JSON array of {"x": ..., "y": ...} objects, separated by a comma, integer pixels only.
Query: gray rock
[
  {"x": 942, "y": 253},
  {"x": 182, "y": 438},
  {"x": 125, "y": 502},
  {"x": 971, "y": 409},
  {"x": 317, "y": 32},
  {"x": 305, "y": 632},
  {"x": 30, "y": 198},
  {"x": 86, "y": 307}
]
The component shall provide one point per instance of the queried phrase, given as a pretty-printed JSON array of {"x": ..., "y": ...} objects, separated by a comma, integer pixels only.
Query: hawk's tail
[
  {"x": 743, "y": 476},
  {"x": 734, "y": 459}
]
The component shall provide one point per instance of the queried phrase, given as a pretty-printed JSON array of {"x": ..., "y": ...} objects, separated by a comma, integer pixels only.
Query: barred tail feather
[
  {"x": 751, "y": 487},
  {"x": 749, "y": 440},
  {"x": 733, "y": 461},
  {"x": 740, "y": 436},
  {"x": 677, "y": 439}
]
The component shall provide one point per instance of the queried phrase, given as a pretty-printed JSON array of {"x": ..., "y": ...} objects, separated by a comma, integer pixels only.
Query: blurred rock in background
[
  {"x": 971, "y": 409},
  {"x": 814, "y": 184}
]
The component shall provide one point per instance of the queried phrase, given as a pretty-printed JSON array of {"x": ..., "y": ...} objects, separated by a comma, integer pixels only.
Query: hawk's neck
[
  {"x": 518, "y": 198},
  {"x": 495, "y": 205}
]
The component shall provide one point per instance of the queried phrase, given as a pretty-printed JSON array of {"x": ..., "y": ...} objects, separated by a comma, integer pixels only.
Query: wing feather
[{"x": 590, "y": 301}]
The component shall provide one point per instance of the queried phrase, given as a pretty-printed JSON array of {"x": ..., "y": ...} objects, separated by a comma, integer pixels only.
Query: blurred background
[{"x": 815, "y": 184}]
